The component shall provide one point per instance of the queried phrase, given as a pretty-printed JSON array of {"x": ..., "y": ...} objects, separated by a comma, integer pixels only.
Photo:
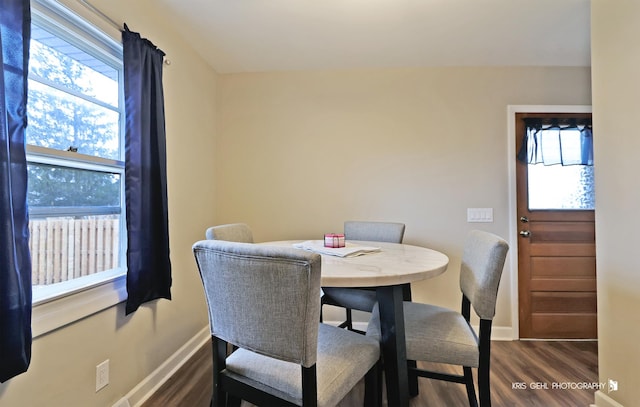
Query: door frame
[{"x": 512, "y": 259}]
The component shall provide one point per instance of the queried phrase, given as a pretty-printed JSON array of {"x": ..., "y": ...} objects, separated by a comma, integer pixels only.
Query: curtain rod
[
  {"x": 105, "y": 17},
  {"x": 108, "y": 19}
]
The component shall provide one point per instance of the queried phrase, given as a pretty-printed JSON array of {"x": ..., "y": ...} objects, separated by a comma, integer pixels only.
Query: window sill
[{"x": 53, "y": 313}]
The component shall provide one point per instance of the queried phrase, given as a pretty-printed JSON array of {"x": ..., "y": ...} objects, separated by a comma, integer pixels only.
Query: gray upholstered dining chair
[
  {"x": 265, "y": 301},
  {"x": 362, "y": 299},
  {"x": 440, "y": 335},
  {"x": 232, "y": 232}
]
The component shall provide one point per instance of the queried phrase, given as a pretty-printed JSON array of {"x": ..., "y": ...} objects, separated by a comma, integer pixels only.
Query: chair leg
[
  {"x": 233, "y": 401},
  {"x": 373, "y": 387},
  {"x": 219, "y": 353},
  {"x": 471, "y": 392},
  {"x": 414, "y": 388},
  {"x": 349, "y": 319},
  {"x": 484, "y": 388},
  {"x": 219, "y": 398}
]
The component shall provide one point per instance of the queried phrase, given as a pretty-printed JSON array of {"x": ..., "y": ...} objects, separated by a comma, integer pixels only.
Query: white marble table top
[{"x": 394, "y": 264}]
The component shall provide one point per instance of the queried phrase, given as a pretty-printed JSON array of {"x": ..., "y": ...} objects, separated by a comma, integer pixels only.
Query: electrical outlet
[{"x": 102, "y": 375}]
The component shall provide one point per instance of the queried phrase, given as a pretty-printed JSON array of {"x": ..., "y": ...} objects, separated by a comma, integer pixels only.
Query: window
[
  {"x": 75, "y": 155},
  {"x": 560, "y": 165},
  {"x": 561, "y": 187}
]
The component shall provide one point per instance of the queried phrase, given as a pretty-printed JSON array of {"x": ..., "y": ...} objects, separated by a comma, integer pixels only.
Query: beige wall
[
  {"x": 299, "y": 153},
  {"x": 295, "y": 154},
  {"x": 62, "y": 372},
  {"x": 616, "y": 86}
]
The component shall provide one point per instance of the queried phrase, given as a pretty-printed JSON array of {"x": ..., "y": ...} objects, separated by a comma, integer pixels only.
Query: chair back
[
  {"x": 482, "y": 263},
  {"x": 262, "y": 298},
  {"x": 391, "y": 232},
  {"x": 233, "y": 232}
]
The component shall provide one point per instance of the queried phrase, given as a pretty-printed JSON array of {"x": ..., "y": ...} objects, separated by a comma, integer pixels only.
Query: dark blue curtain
[
  {"x": 568, "y": 142},
  {"x": 149, "y": 267},
  {"x": 15, "y": 260}
]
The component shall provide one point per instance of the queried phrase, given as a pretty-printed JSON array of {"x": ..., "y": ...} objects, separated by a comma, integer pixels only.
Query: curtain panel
[
  {"x": 15, "y": 260},
  {"x": 148, "y": 263},
  {"x": 564, "y": 142}
]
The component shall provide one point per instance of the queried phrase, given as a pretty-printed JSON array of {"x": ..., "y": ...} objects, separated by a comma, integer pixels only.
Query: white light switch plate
[{"x": 479, "y": 214}]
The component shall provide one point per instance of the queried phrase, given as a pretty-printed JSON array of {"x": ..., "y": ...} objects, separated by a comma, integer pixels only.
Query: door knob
[
  {"x": 525, "y": 233},
  {"x": 524, "y": 219}
]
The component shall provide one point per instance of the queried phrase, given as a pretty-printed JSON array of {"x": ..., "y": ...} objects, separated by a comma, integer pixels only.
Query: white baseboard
[
  {"x": 603, "y": 400},
  {"x": 158, "y": 377},
  {"x": 501, "y": 333}
]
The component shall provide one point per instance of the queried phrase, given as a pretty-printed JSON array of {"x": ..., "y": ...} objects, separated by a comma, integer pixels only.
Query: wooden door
[{"x": 556, "y": 258}]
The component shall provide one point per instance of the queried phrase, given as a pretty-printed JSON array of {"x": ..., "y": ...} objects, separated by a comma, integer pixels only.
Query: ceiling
[{"x": 278, "y": 35}]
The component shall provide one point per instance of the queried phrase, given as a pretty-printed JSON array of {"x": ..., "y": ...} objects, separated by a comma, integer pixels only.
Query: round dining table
[{"x": 389, "y": 268}]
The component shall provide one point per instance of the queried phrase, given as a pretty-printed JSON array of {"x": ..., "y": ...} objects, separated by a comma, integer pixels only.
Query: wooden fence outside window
[{"x": 66, "y": 248}]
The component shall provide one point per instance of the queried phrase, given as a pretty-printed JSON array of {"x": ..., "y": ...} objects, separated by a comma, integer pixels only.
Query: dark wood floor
[{"x": 523, "y": 374}]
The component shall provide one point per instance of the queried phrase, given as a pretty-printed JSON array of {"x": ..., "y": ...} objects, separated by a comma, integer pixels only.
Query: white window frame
[{"x": 87, "y": 295}]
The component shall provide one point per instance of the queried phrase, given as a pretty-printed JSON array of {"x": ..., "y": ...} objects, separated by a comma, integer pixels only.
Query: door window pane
[{"x": 568, "y": 187}]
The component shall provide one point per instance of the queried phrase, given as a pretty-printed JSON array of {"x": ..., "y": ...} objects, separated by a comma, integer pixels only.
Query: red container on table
[{"x": 334, "y": 240}]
